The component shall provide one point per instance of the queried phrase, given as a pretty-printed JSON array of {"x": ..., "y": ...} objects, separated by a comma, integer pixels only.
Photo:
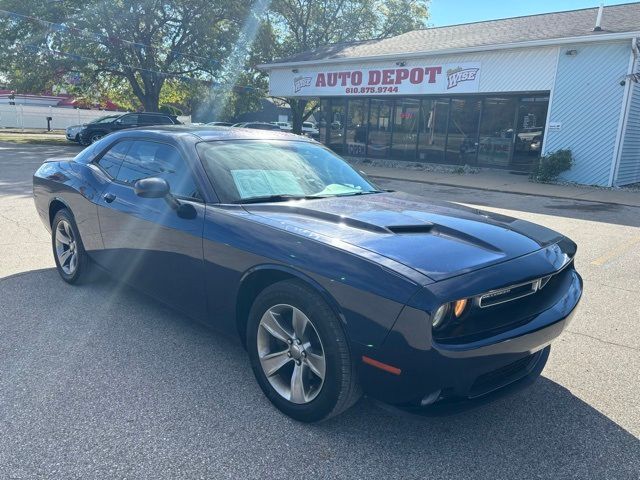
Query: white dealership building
[{"x": 494, "y": 94}]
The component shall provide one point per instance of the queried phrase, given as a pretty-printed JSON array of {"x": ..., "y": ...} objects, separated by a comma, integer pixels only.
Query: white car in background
[
  {"x": 310, "y": 129},
  {"x": 284, "y": 126}
]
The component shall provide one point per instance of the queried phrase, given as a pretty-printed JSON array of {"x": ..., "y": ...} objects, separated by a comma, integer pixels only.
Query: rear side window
[
  {"x": 129, "y": 119},
  {"x": 152, "y": 159},
  {"x": 162, "y": 120},
  {"x": 110, "y": 162}
]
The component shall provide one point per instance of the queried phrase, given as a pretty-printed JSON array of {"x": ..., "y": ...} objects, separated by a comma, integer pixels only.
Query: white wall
[{"x": 29, "y": 116}]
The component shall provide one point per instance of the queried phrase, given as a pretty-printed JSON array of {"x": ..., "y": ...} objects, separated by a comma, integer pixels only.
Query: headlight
[
  {"x": 440, "y": 315},
  {"x": 448, "y": 310}
]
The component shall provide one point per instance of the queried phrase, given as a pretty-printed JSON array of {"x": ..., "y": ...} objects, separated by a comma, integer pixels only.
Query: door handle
[{"x": 109, "y": 197}]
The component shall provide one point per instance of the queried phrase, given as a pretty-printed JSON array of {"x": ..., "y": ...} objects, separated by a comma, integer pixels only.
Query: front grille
[
  {"x": 508, "y": 294},
  {"x": 503, "y": 376}
]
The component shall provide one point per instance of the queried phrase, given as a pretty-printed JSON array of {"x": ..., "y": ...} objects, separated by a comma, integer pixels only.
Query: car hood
[{"x": 440, "y": 240}]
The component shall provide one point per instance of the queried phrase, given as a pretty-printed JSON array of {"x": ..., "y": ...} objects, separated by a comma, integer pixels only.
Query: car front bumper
[{"x": 434, "y": 376}]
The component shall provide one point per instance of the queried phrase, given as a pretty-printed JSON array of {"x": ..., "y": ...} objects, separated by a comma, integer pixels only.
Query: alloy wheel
[
  {"x": 291, "y": 353},
  {"x": 66, "y": 247}
]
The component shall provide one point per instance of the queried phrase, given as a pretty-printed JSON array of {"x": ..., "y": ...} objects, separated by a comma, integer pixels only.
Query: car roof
[{"x": 212, "y": 132}]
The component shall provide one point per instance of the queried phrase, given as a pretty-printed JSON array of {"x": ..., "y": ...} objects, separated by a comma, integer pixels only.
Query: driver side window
[{"x": 152, "y": 159}]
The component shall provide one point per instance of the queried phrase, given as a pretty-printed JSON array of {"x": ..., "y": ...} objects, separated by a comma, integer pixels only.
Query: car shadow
[{"x": 98, "y": 378}]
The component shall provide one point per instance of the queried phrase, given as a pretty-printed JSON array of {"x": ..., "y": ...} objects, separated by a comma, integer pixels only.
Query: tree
[
  {"x": 143, "y": 42},
  {"x": 295, "y": 26}
]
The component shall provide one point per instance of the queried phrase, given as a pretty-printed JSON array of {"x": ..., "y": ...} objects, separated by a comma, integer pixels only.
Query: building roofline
[{"x": 593, "y": 37}]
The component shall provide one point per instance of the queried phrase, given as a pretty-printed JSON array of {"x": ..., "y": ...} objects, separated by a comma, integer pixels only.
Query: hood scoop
[{"x": 409, "y": 229}]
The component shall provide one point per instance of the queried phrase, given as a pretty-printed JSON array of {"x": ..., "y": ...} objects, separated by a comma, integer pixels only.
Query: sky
[{"x": 451, "y": 12}]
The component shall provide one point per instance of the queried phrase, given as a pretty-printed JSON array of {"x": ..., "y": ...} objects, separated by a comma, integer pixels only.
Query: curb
[{"x": 445, "y": 184}]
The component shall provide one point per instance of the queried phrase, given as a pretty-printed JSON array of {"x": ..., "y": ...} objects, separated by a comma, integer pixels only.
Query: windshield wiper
[
  {"x": 359, "y": 192},
  {"x": 277, "y": 198}
]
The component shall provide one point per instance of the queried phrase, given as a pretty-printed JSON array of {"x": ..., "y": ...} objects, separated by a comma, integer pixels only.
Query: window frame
[{"x": 128, "y": 185}]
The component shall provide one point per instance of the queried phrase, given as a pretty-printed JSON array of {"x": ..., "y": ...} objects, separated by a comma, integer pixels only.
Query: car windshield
[
  {"x": 242, "y": 170},
  {"x": 107, "y": 119}
]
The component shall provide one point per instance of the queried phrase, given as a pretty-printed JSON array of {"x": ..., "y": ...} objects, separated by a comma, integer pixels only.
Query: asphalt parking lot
[{"x": 101, "y": 382}]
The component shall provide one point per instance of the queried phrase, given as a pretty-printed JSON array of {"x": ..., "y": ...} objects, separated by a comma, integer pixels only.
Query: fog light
[
  {"x": 430, "y": 398},
  {"x": 440, "y": 315}
]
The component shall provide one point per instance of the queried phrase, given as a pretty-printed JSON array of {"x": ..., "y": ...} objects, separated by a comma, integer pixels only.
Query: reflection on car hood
[{"x": 440, "y": 240}]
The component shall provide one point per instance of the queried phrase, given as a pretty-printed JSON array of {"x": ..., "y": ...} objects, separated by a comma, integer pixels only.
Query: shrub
[{"x": 552, "y": 165}]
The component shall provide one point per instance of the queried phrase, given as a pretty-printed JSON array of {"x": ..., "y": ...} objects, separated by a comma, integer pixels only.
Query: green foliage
[
  {"x": 170, "y": 38},
  {"x": 217, "y": 41},
  {"x": 552, "y": 165}
]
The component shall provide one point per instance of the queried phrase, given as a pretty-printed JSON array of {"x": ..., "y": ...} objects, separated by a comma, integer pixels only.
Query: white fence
[{"x": 29, "y": 116}]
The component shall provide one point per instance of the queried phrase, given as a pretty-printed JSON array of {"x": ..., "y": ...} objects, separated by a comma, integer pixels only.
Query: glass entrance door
[
  {"x": 497, "y": 132},
  {"x": 405, "y": 128},
  {"x": 379, "y": 127},
  {"x": 532, "y": 115},
  {"x": 462, "y": 137}
]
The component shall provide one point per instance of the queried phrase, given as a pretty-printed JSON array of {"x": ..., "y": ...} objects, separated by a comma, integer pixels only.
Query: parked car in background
[
  {"x": 335, "y": 287},
  {"x": 284, "y": 126},
  {"x": 310, "y": 129},
  {"x": 92, "y": 132},
  {"x": 73, "y": 132},
  {"x": 257, "y": 125},
  {"x": 219, "y": 124}
]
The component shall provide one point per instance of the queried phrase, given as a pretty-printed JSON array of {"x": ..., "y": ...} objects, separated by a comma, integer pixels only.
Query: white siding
[
  {"x": 629, "y": 168},
  {"x": 587, "y": 101}
]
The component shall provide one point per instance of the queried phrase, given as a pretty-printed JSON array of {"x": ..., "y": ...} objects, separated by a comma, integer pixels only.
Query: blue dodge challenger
[{"x": 334, "y": 286}]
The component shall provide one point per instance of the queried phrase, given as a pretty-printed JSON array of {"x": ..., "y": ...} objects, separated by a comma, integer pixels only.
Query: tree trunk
[
  {"x": 297, "y": 114},
  {"x": 150, "y": 102}
]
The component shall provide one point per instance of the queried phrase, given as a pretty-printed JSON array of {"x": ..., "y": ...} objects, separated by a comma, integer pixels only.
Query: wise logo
[
  {"x": 300, "y": 82},
  {"x": 455, "y": 76}
]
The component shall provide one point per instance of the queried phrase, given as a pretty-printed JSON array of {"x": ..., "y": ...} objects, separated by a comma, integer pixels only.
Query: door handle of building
[{"x": 109, "y": 197}]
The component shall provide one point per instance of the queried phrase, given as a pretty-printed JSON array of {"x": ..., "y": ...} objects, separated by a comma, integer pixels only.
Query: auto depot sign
[{"x": 399, "y": 80}]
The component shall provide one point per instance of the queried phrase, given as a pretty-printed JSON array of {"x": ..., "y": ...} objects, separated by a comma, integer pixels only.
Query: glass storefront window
[
  {"x": 496, "y": 131},
  {"x": 504, "y": 131},
  {"x": 379, "y": 127},
  {"x": 432, "y": 129},
  {"x": 335, "y": 139},
  {"x": 357, "y": 127},
  {"x": 405, "y": 128},
  {"x": 462, "y": 138},
  {"x": 532, "y": 115},
  {"x": 322, "y": 116}
]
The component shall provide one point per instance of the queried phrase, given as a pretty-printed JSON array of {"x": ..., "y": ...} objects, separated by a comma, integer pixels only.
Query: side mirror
[
  {"x": 152, "y": 187},
  {"x": 118, "y": 121}
]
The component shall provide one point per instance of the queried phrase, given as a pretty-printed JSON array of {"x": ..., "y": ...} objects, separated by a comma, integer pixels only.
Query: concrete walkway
[{"x": 499, "y": 181}]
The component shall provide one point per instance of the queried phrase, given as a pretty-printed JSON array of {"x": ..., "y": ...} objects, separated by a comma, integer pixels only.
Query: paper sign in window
[{"x": 259, "y": 183}]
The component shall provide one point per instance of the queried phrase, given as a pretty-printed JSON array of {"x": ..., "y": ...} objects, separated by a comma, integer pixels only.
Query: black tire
[
  {"x": 340, "y": 389},
  {"x": 81, "y": 271}
]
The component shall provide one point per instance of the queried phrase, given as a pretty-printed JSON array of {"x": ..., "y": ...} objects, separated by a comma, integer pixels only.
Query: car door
[{"x": 147, "y": 243}]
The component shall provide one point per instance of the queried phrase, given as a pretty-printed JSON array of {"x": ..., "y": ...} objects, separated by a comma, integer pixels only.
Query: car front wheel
[
  {"x": 69, "y": 254},
  {"x": 299, "y": 353},
  {"x": 95, "y": 137}
]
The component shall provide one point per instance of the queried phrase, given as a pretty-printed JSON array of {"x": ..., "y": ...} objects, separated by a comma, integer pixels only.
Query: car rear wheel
[
  {"x": 68, "y": 251},
  {"x": 299, "y": 353}
]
